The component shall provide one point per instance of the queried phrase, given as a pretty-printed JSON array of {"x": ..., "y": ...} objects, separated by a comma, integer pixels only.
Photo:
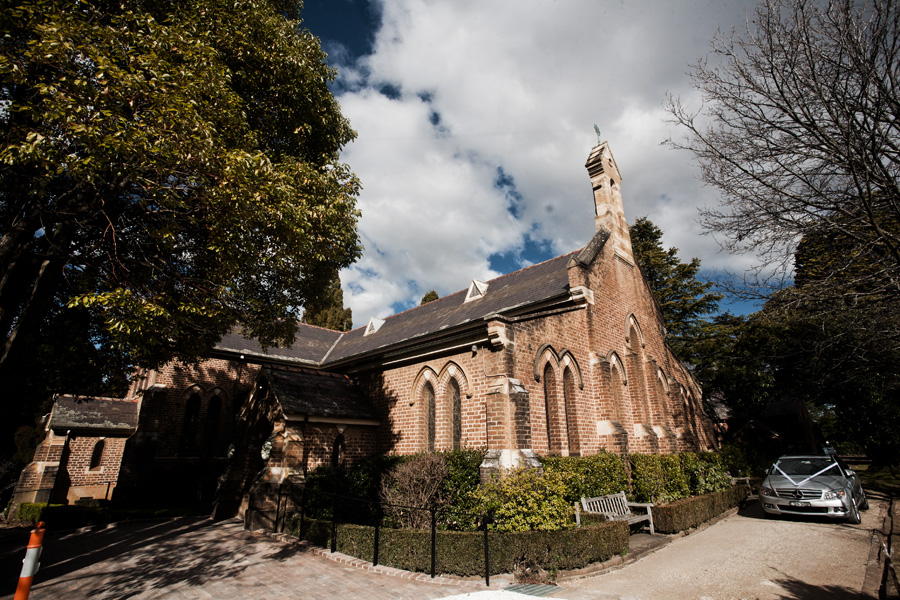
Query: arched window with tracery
[
  {"x": 554, "y": 441},
  {"x": 569, "y": 402},
  {"x": 430, "y": 417},
  {"x": 456, "y": 414},
  {"x": 97, "y": 456}
]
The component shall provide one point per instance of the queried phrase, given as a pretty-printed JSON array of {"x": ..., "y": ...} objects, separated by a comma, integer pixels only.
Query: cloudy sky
[{"x": 475, "y": 118}]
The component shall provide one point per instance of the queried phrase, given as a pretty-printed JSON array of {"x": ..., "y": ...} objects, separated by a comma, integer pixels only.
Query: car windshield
[{"x": 806, "y": 466}]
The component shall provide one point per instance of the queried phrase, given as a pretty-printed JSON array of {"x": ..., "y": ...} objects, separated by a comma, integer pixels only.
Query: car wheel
[
  {"x": 864, "y": 505},
  {"x": 853, "y": 518}
]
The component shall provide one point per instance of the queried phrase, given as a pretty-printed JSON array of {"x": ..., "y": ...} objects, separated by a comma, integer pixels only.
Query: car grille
[
  {"x": 805, "y": 509},
  {"x": 798, "y": 494}
]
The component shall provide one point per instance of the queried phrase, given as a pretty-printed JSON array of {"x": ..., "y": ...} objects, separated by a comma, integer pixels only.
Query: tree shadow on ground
[
  {"x": 801, "y": 590},
  {"x": 187, "y": 551}
]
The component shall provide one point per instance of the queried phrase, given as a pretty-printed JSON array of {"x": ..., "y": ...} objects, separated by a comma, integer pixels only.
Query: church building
[{"x": 565, "y": 357}]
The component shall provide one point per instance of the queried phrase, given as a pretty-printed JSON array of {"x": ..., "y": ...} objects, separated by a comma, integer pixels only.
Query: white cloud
[{"x": 517, "y": 86}]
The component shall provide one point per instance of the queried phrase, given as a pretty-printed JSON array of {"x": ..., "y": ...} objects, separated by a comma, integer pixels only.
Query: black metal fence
[{"x": 340, "y": 506}]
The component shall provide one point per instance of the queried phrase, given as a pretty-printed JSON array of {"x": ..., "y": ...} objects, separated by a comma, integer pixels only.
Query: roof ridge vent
[
  {"x": 477, "y": 289},
  {"x": 374, "y": 325}
]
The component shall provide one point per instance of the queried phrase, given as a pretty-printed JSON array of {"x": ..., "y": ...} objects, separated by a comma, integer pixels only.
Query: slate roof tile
[
  {"x": 83, "y": 413},
  {"x": 313, "y": 393}
]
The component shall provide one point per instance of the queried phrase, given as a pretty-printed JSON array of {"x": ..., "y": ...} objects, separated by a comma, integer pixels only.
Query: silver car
[{"x": 813, "y": 485}]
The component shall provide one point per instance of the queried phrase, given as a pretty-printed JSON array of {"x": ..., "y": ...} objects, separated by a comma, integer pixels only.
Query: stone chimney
[{"x": 608, "y": 210}]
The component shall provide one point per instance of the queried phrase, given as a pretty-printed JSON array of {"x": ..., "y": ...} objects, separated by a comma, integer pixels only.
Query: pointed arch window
[
  {"x": 213, "y": 422},
  {"x": 456, "y": 410},
  {"x": 337, "y": 451},
  {"x": 569, "y": 402},
  {"x": 430, "y": 425},
  {"x": 550, "y": 404},
  {"x": 97, "y": 455},
  {"x": 190, "y": 428}
]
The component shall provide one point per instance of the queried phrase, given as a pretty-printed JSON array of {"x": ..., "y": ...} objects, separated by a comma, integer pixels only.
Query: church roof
[
  {"x": 305, "y": 393},
  {"x": 518, "y": 289},
  {"x": 310, "y": 346},
  {"x": 505, "y": 294},
  {"x": 101, "y": 415}
]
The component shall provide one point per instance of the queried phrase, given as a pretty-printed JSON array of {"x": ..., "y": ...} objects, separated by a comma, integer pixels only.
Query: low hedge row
[
  {"x": 63, "y": 516},
  {"x": 690, "y": 512},
  {"x": 462, "y": 553}
]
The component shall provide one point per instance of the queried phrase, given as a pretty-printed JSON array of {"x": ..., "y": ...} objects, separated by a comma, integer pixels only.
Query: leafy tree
[
  {"x": 327, "y": 310},
  {"x": 169, "y": 168},
  {"x": 685, "y": 300},
  {"x": 429, "y": 297},
  {"x": 799, "y": 132}
]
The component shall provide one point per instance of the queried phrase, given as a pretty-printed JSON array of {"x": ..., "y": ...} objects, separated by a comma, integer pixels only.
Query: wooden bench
[{"x": 618, "y": 508}]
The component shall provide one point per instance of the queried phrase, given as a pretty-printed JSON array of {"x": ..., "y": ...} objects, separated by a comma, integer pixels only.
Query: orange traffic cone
[{"x": 31, "y": 564}]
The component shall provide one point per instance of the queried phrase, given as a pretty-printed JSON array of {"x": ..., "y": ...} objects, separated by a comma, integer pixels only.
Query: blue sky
[{"x": 475, "y": 119}]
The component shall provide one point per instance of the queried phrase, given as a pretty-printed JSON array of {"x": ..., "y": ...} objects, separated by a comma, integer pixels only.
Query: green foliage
[
  {"x": 684, "y": 299},
  {"x": 327, "y": 309},
  {"x": 589, "y": 476},
  {"x": 462, "y": 553},
  {"x": 742, "y": 461},
  {"x": 179, "y": 164},
  {"x": 461, "y": 510},
  {"x": 658, "y": 478},
  {"x": 705, "y": 473},
  {"x": 526, "y": 500},
  {"x": 429, "y": 297}
]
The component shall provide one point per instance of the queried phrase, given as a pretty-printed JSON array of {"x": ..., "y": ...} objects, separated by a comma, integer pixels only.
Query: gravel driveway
[{"x": 747, "y": 556}]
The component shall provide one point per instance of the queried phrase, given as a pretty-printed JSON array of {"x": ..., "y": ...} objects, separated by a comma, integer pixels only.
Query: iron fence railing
[{"x": 483, "y": 521}]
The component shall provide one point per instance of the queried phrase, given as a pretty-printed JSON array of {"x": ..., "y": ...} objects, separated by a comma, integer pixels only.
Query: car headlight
[
  {"x": 764, "y": 491},
  {"x": 832, "y": 494}
]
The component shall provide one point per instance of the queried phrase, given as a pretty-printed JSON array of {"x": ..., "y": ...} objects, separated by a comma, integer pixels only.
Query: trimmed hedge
[
  {"x": 63, "y": 516},
  {"x": 462, "y": 553},
  {"x": 690, "y": 512},
  {"x": 589, "y": 476}
]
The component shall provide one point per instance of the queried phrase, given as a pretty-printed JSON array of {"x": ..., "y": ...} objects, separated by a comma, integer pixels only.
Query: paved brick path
[{"x": 196, "y": 558}]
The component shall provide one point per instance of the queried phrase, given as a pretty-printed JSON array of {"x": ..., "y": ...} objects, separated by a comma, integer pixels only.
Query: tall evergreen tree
[
  {"x": 328, "y": 311},
  {"x": 684, "y": 299}
]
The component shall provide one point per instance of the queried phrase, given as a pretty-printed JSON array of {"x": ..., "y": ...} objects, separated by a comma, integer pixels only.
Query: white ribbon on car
[{"x": 834, "y": 464}]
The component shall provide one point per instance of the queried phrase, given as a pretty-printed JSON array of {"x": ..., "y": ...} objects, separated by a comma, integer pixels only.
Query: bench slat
[{"x": 617, "y": 507}]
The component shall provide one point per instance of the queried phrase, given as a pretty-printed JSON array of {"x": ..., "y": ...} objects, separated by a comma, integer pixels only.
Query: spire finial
[{"x": 597, "y": 131}]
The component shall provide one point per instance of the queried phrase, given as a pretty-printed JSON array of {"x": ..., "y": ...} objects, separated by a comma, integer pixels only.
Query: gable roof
[
  {"x": 310, "y": 346},
  {"x": 517, "y": 290},
  {"x": 100, "y": 415},
  {"x": 318, "y": 396}
]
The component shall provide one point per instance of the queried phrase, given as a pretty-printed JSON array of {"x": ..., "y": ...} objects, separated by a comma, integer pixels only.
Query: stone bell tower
[{"x": 608, "y": 210}]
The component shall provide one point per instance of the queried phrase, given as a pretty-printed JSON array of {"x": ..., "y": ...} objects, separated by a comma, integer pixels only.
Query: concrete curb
[{"x": 875, "y": 565}]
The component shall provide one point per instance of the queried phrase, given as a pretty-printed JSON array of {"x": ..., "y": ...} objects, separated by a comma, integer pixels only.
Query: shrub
[
  {"x": 691, "y": 512},
  {"x": 704, "y": 473},
  {"x": 598, "y": 475},
  {"x": 658, "y": 478},
  {"x": 462, "y": 553},
  {"x": 526, "y": 500},
  {"x": 459, "y": 487},
  {"x": 61, "y": 516},
  {"x": 413, "y": 487}
]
